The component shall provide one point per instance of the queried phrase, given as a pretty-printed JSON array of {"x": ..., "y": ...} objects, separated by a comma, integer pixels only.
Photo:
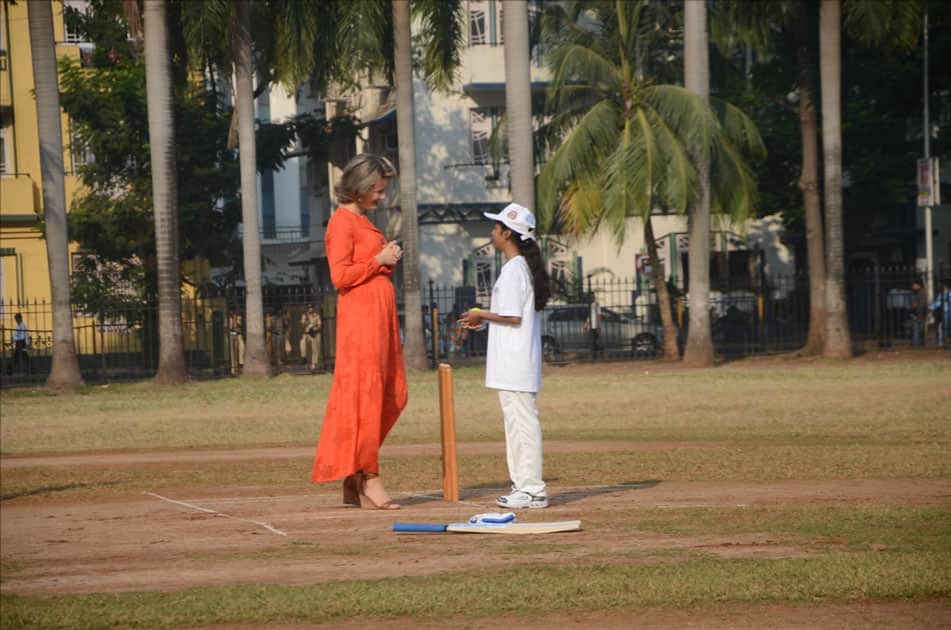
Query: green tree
[
  {"x": 892, "y": 23},
  {"x": 623, "y": 145},
  {"x": 113, "y": 215},
  {"x": 761, "y": 24},
  {"x": 269, "y": 42},
  {"x": 65, "y": 369}
]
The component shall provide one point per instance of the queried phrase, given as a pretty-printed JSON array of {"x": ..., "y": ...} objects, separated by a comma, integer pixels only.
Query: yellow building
[{"x": 24, "y": 272}]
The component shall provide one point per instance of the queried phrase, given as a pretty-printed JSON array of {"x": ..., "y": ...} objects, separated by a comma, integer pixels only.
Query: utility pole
[{"x": 929, "y": 239}]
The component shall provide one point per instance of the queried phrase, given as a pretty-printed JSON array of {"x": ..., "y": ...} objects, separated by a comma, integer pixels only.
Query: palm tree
[
  {"x": 65, "y": 368},
  {"x": 415, "y": 348},
  {"x": 623, "y": 145},
  {"x": 809, "y": 184},
  {"x": 895, "y": 23},
  {"x": 255, "y": 355},
  {"x": 441, "y": 40},
  {"x": 838, "y": 341},
  {"x": 699, "y": 349},
  {"x": 518, "y": 102},
  {"x": 171, "y": 367}
]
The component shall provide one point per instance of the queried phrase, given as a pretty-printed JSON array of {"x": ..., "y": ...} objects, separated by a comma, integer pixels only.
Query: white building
[{"x": 457, "y": 179}]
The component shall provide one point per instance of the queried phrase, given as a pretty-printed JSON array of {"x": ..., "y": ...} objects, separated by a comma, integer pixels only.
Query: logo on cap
[{"x": 512, "y": 214}]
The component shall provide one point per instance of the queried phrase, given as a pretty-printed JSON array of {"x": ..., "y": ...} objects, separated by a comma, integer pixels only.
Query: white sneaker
[{"x": 518, "y": 500}]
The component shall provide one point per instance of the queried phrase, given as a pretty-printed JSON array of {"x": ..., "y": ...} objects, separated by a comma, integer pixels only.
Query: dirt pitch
[{"x": 172, "y": 538}]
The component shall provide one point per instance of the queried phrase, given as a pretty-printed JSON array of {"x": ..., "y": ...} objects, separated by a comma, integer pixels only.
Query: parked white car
[{"x": 565, "y": 328}]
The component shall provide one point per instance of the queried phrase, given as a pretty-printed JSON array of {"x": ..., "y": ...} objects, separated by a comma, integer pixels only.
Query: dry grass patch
[{"x": 882, "y": 401}]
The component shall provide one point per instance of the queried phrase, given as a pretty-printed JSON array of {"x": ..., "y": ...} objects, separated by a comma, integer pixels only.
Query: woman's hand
[{"x": 391, "y": 254}]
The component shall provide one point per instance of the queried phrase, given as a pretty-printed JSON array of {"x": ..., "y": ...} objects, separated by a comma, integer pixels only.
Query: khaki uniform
[
  {"x": 311, "y": 323},
  {"x": 236, "y": 341}
]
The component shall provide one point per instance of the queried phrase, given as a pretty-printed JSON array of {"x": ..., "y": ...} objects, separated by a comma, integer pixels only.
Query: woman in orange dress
[{"x": 369, "y": 387}]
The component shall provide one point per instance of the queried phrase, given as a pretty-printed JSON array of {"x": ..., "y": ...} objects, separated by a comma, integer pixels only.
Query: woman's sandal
[
  {"x": 369, "y": 504},
  {"x": 351, "y": 489}
]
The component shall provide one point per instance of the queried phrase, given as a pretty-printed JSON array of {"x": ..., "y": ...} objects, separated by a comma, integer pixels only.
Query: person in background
[
  {"x": 312, "y": 324},
  {"x": 919, "y": 314},
  {"x": 279, "y": 327},
  {"x": 21, "y": 343},
  {"x": 236, "y": 338},
  {"x": 941, "y": 307}
]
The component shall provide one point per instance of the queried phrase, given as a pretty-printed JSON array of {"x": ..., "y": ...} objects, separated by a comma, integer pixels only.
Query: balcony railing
[{"x": 290, "y": 234}]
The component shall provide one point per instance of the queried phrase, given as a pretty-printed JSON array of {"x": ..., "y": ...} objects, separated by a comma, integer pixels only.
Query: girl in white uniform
[{"x": 513, "y": 363}]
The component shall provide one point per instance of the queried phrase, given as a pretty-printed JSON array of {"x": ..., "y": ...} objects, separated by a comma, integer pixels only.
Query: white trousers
[{"x": 523, "y": 441}]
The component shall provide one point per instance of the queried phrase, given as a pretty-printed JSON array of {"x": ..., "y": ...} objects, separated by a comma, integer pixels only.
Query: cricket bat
[{"x": 487, "y": 528}]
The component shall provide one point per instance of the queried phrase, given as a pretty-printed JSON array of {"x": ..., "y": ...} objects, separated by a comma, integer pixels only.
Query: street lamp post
[{"x": 929, "y": 239}]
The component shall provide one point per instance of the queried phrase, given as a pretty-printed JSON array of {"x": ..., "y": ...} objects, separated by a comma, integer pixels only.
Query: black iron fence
[
  {"x": 624, "y": 324},
  {"x": 771, "y": 318}
]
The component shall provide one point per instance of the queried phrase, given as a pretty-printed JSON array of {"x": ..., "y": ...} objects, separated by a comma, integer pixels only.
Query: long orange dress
[{"x": 369, "y": 387}]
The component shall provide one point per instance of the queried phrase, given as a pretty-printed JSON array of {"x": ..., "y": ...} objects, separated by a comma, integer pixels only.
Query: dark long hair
[{"x": 533, "y": 256}]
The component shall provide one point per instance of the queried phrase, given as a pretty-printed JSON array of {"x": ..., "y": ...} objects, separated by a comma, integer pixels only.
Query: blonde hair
[{"x": 360, "y": 174}]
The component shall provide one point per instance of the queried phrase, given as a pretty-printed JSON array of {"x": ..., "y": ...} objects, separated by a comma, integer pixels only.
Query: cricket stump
[{"x": 447, "y": 416}]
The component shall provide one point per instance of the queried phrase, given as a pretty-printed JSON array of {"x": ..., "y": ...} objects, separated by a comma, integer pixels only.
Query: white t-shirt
[{"x": 514, "y": 354}]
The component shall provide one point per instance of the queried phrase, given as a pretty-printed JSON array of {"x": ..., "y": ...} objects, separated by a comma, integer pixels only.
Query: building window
[
  {"x": 79, "y": 154},
  {"x": 81, "y": 7},
  {"x": 6, "y": 164},
  {"x": 482, "y": 124},
  {"x": 485, "y": 22}
]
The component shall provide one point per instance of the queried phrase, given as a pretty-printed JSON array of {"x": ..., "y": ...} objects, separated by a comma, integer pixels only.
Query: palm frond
[
  {"x": 441, "y": 39},
  {"x": 676, "y": 181},
  {"x": 628, "y": 178},
  {"x": 687, "y": 115},
  {"x": 738, "y": 128},
  {"x": 575, "y": 65},
  {"x": 581, "y": 206},
  {"x": 733, "y": 189},
  {"x": 578, "y": 155},
  {"x": 754, "y": 23},
  {"x": 206, "y": 25},
  {"x": 891, "y": 23},
  {"x": 296, "y": 34}
]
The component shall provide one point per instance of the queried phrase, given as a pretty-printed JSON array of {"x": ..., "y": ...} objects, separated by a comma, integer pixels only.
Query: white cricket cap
[{"x": 517, "y": 218}]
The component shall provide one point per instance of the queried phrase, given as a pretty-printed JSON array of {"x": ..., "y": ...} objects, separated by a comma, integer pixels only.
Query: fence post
[{"x": 433, "y": 362}]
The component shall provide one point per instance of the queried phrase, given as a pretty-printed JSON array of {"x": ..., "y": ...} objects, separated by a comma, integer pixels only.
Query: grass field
[{"x": 762, "y": 493}]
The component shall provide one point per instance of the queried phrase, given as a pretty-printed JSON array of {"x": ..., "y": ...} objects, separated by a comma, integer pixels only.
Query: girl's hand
[
  {"x": 391, "y": 254},
  {"x": 471, "y": 319}
]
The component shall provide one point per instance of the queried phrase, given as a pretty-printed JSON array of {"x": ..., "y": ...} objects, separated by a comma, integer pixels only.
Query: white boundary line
[{"x": 210, "y": 511}]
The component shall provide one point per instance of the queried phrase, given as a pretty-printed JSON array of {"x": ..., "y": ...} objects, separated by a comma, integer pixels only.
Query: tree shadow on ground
[{"x": 572, "y": 495}]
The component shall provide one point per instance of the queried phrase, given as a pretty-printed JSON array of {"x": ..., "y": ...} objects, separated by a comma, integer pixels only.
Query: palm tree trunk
[
  {"x": 414, "y": 348},
  {"x": 518, "y": 103},
  {"x": 699, "y": 349},
  {"x": 671, "y": 351},
  {"x": 158, "y": 87},
  {"x": 838, "y": 342},
  {"x": 65, "y": 369},
  {"x": 809, "y": 185},
  {"x": 255, "y": 354}
]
